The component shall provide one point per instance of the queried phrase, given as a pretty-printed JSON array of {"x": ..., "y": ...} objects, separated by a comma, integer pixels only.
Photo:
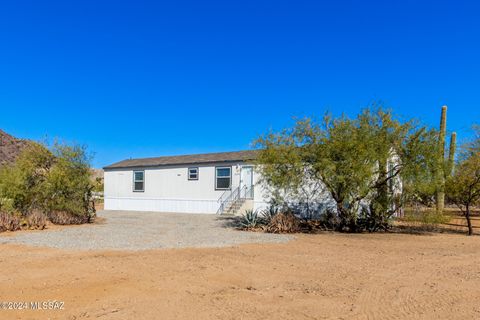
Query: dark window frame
[
  {"x": 230, "y": 177},
  {"x": 197, "y": 173},
  {"x": 142, "y": 181}
]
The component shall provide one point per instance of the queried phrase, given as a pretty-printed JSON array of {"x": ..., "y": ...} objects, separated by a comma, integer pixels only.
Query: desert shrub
[
  {"x": 69, "y": 186},
  {"x": 9, "y": 222},
  {"x": 36, "y": 220},
  {"x": 329, "y": 220},
  {"x": 250, "y": 219},
  {"x": 22, "y": 184},
  {"x": 284, "y": 222},
  {"x": 64, "y": 217},
  {"x": 269, "y": 213},
  {"x": 463, "y": 188},
  {"x": 373, "y": 218},
  {"x": 98, "y": 185},
  {"x": 56, "y": 181},
  {"x": 427, "y": 218}
]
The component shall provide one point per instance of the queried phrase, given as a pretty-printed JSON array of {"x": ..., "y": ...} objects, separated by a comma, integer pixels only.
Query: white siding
[
  {"x": 260, "y": 200},
  {"x": 167, "y": 189}
]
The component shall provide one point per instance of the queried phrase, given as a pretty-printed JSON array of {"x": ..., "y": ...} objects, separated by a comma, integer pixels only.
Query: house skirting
[
  {"x": 162, "y": 205},
  {"x": 206, "y": 206}
]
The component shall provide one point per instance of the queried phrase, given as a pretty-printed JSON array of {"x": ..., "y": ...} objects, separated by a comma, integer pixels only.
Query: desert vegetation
[
  {"x": 46, "y": 184},
  {"x": 359, "y": 174},
  {"x": 463, "y": 187}
]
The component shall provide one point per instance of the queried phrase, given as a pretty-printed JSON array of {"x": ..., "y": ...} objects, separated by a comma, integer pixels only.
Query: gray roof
[{"x": 192, "y": 159}]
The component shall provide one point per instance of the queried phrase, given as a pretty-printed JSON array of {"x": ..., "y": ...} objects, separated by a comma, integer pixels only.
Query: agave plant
[
  {"x": 270, "y": 213},
  {"x": 250, "y": 219}
]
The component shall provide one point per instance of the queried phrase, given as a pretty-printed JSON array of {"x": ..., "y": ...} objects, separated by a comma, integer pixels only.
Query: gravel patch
[{"x": 130, "y": 230}]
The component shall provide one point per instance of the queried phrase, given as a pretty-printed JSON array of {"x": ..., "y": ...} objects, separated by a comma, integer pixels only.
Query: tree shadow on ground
[{"x": 427, "y": 230}]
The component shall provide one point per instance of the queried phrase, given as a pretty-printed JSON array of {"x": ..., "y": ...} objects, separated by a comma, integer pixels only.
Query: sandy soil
[{"x": 325, "y": 276}]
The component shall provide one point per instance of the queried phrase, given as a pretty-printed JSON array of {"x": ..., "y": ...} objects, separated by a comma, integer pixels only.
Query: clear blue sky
[{"x": 149, "y": 78}]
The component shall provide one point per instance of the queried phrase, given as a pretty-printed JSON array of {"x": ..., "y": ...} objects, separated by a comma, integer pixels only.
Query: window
[
  {"x": 138, "y": 181},
  {"x": 223, "y": 178},
  {"x": 192, "y": 173}
]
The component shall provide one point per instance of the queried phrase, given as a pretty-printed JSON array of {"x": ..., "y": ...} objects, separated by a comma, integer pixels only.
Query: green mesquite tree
[
  {"x": 348, "y": 159},
  {"x": 463, "y": 187}
]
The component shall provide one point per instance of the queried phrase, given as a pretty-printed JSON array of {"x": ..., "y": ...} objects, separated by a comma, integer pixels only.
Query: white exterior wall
[
  {"x": 260, "y": 199},
  {"x": 167, "y": 189}
]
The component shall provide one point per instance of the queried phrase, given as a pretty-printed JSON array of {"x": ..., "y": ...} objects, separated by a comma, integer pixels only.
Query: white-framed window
[
  {"x": 193, "y": 173},
  {"x": 223, "y": 178},
  {"x": 138, "y": 181}
]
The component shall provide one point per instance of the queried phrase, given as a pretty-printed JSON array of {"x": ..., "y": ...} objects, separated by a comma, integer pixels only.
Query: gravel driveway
[{"x": 129, "y": 230}]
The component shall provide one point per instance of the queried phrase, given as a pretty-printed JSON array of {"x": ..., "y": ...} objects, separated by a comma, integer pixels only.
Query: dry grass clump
[
  {"x": 9, "y": 222},
  {"x": 283, "y": 223},
  {"x": 425, "y": 219},
  {"x": 272, "y": 221},
  {"x": 64, "y": 218},
  {"x": 36, "y": 221},
  {"x": 13, "y": 222}
]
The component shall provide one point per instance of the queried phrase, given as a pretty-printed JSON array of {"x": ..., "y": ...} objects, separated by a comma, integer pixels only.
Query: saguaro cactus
[
  {"x": 451, "y": 154},
  {"x": 445, "y": 166}
]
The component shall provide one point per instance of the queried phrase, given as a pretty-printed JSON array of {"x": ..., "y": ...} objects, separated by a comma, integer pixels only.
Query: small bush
[
  {"x": 283, "y": 223},
  {"x": 54, "y": 180},
  {"x": 329, "y": 220},
  {"x": 36, "y": 221},
  {"x": 374, "y": 218},
  {"x": 426, "y": 217},
  {"x": 269, "y": 214},
  {"x": 63, "y": 218},
  {"x": 250, "y": 219},
  {"x": 9, "y": 222}
]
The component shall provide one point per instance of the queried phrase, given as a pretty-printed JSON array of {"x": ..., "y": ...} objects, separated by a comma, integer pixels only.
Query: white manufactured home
[{"x": 219, "y": 183}]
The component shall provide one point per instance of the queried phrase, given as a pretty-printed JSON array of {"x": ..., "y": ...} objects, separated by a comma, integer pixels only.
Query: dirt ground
[{"x": 323, "y": 276}]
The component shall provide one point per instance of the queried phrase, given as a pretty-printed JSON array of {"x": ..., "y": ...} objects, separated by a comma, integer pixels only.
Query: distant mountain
[{"x": 10, "y": 147}]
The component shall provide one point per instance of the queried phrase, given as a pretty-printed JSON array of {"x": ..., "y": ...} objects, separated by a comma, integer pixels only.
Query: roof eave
[{"x": 113, "y": 167}]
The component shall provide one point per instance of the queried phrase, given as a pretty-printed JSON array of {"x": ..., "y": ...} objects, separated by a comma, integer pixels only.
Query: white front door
[{"x": 246, "y": 179}]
